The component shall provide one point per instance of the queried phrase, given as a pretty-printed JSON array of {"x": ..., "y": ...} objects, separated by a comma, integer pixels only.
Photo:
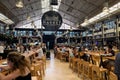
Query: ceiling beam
[
  {"x": 29, "y": 12},
  {"x": 44, "y": 8},
  {"x": 40, "y": 18},
  {"x": 91, "y": 3},
  {"x": 69, "y": 14},
  {"x": 99, "y": 9},
  {"x": 84, "y": 13},
  {"x": 8, "y": 13},
  {"x": 30, "y": 3}
]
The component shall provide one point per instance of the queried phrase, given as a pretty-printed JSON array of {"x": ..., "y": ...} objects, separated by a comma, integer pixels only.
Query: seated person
[
  {"x": 108, "y": 63},
  {"x": 19, "y": 66},
  {"x": 84, "y": 55},
  {"x": 40, "y": 52},
  {"x": 109, "y": 51},
  {"x": 70, "y": 49},
  {"x": 75, "y": 52}
]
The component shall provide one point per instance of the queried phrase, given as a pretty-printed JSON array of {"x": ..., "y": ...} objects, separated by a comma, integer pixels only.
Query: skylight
[
  {"x": 112, "y": 10},
  {"x": 66, "y": 26},
  {"x": 30, "y": 26},
  {"x": 46, "y": 7},
  {"x": 5, "y": 19}
]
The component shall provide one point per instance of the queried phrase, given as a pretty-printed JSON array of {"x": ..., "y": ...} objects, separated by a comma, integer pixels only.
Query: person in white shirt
[
  {"x": 1, "y": 49},
  {"x": 70, "y": 52},
  {"x": 40, "y": 52}
]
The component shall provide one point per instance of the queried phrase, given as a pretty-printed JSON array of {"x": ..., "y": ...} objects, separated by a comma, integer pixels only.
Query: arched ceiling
[{"x": 72, "y": 11}]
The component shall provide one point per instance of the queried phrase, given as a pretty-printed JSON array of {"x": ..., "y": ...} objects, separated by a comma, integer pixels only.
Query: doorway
[{"x": 49, "y": 40}]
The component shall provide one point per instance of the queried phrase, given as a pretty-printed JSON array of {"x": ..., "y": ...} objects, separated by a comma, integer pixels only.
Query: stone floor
[{"x": 57, "y": 70}]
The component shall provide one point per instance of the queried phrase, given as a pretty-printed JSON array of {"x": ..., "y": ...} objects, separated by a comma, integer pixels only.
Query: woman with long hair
[{"x": 19, "y": 66}]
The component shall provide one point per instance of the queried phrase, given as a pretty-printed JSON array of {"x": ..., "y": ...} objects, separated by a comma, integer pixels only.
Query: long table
[{"x": 100, "y": 57}]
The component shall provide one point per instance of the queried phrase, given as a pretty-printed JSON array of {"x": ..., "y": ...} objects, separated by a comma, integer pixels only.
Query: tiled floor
[{"x": 57, "y": 70}]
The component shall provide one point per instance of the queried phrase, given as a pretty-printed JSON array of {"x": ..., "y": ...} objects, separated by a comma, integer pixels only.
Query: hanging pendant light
[
  {"x": 86, "y": 20},
  {"x": 28, "y": 17},
  {"x": 19, "y": 4},
  {"x": 7, "y": 27},
  {"x": 106, "y": 7}
]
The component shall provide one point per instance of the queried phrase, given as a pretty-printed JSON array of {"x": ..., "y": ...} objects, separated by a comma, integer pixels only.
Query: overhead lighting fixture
[
  {"x": 7, "y": 27},
  {"x": 77, "y": 25},
  {"x": 5, "y": 19},
  {"x": 28, "y": 17},
  {"x": 112, "y": 10},
  {"x": 32, "y": 23},
  {"x": 106, "y": 8},
  {"x": 86, "y": 20},
  {"x": 19, "y": 4},
  {"x": 71, "y": 28},
  {"x": 13, "y": 30}
]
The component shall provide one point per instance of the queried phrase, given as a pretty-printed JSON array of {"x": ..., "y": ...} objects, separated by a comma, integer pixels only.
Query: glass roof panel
[{"x": 5, "y": 19}]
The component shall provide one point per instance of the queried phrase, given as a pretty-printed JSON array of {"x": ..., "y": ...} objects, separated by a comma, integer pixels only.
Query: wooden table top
[{"x": 111, "y": 58}]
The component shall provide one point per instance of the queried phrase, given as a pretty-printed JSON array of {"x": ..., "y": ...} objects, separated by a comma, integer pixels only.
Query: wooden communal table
[
  {"x": 94, "y": 56},
  {"x": 110, "y": 58},
  {"x": 100, "y": 56}
]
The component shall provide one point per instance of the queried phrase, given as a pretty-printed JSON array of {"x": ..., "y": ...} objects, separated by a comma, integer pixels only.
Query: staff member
[{"x": 19, "y": 65}]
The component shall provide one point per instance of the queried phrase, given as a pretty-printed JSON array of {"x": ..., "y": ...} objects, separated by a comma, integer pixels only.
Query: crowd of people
[
  {"x": 19, "y": 62},
  {"x": 20, "y": 67},
  {"x": 84, "y": 53}
]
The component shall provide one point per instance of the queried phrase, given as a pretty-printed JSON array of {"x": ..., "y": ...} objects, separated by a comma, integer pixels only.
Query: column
[
  {"x": 103, "y": 41},
  {"x": 93, "y": 39},
  {"x": 117, "y": 33}
]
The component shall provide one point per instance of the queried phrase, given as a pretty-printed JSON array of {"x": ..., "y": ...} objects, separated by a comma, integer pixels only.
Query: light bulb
[{"x": 19, "y": 4}]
